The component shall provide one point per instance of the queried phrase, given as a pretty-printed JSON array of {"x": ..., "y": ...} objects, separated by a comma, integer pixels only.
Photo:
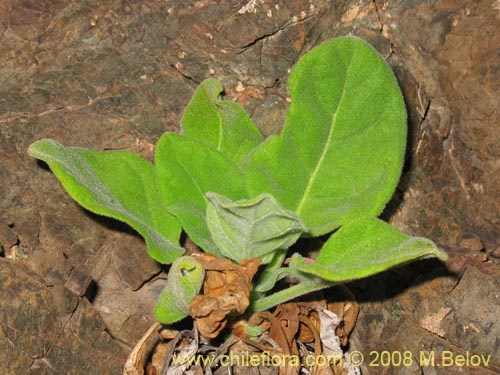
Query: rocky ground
[{"x": 77, "y": 290}]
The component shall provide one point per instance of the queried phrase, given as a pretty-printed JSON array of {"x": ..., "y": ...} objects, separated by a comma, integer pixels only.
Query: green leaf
[
  {"x": 250, "y": 228},
  {"x": 272, "y": 273},
  {"x": 223, "y": 125},
  {"x": 118, "y": 184},
  {"x": 186, "y": 170},
  {"x": 184, "y": 282},
  {"x": 253, "y": 331},
  {"x": 341, "y": 151},
  {"x": 363, "y": 248}
]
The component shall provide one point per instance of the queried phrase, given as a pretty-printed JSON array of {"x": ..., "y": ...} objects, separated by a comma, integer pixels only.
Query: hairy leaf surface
[
  {"x": 185, "y": 279},
  {"x": 221, "y": 124},
  {"x": 365, "y": 247},
  {"x": 186, "y": 170},
  {"x": 250, "y": 228},
  {"x": 341, "y": 151},
  {"x": 118, "y": 184}
]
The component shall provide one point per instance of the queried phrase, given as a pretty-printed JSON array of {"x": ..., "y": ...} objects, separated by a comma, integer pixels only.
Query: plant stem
[{"x": 285, "y": 295}]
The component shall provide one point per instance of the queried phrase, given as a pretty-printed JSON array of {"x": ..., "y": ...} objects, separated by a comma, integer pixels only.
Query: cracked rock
[{"x": 36, "y": 324}]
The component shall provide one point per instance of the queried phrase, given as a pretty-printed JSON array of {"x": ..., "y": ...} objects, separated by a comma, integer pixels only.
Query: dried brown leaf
[
  {"x": 347, "y": 309},
  {"x": 226, "y": 290},
  {"x": 158, "y": 359},
  {"x": 323, "y": 370},
  {"x": 307, "y": 332},
  {"x": 136, "y": 360},
  {"x": 288, "y": 317},
  {"x": 345, "y": 306}
]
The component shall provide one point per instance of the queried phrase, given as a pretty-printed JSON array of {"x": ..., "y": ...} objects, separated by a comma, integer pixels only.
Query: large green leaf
[
  {"x": 118, "y": 184},
  {"x": 365, "y": 247},
  {"x": 188, "y": 169},
  {"x": 341, "y": 151},
  {"x": 221, "y": 124},
  {"x": 184, "y": 282},
  {"x": 250, "y": 228}
]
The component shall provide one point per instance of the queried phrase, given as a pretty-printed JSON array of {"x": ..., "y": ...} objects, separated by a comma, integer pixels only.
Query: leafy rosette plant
[{"x": 332, "y": 169}]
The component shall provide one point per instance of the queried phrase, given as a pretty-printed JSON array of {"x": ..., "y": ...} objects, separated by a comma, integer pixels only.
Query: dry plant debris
[
  {"x": 137, "y": 358},
  {"x": 297, "y": 338},
  {"x": 226, "y": 290}
]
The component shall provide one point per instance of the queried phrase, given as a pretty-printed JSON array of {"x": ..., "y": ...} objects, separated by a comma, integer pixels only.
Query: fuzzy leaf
[
  {"x": 363, "y": 248},
  {"x": 272, "y": 273},
  {"x": 341, "y": 151},
  {"x": 186, "y": 170},
  {"x": 250, "y": 228},
  {"x": 184, "y": 282},
  {"x": 118, "y": 184},
  {"x": 221, "y": 124}
]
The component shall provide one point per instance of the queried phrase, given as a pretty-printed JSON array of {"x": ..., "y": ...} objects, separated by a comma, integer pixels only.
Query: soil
[{"x": 77, "y": 291}]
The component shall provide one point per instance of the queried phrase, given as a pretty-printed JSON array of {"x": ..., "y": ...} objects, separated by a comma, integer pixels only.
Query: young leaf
[
  {"x": 250, "y": 228},
  {"x": 272, "y": 273},
  {"x": 223, "y": 125},
  {"x": 186, "y": 170},
  {"x": 341, "y": 151},
  {"x": 363, "y": 248},
  {"x": 184, "y": 282},
  {"x": 118, "y": 184}
]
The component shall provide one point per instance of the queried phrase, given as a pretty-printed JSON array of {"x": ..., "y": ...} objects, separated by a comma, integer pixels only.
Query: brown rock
[
  {"x": 117, "y": 75},
  {"x": 37, "y": 323}
]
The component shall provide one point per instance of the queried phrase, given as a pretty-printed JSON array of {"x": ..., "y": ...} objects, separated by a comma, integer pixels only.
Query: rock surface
[
  {"x": 46, "y": 329},
  {"x": 77, "y": 290}
]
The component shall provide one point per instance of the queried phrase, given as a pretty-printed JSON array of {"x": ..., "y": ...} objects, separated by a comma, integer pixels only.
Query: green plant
[{"x": 332, "y": 169}]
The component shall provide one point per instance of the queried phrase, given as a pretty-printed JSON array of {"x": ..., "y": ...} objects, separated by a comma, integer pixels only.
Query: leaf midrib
[
  {"x": 221, "y": 127},
  {"x": 314, "y": 173}
]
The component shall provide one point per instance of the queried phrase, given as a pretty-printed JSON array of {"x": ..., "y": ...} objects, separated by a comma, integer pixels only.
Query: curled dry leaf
[
  {"x": 287, "y": 317},
  {"x": 293, "y": 325},
  {"x": 308, "y": 332},
  {"x": 347, "y": 309},
  {"x": 282, "y": 331},
  {"x": 226, "y": 289},
  {"x": 185, "y": 352},
  {"x": 138, "y": 356},
  {"x": 324, "y": 326},
  {"x": 344, "y": 306},
  {"x": 158, "y": 359},
  {"x": 329, "y": 321}
]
